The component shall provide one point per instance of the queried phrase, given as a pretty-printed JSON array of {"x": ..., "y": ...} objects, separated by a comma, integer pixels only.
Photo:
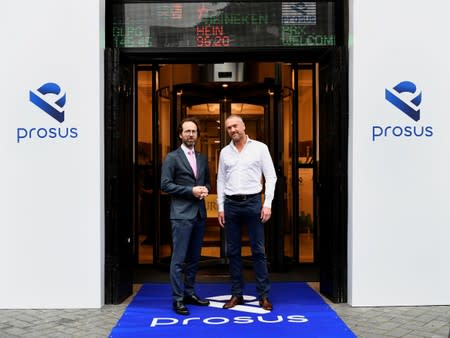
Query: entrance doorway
[
  {"x": 265, "y": 99},
  {"x": 281, "y": 103}
]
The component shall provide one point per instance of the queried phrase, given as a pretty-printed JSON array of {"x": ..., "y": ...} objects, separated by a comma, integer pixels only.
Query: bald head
[
  {"x": 235, "y": 127},
  {"x": 235, "y": 117}
]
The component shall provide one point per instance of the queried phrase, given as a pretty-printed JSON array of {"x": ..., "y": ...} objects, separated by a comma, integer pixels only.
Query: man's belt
[{"x": 241, "y": 198}]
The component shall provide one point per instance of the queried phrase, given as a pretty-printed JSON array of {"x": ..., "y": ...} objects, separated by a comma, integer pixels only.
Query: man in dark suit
[{"x": 185, "y": 176}]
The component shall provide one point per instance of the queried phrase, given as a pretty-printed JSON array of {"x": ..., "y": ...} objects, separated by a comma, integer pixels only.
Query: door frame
[
  {"x": 119, "y": 177},
  {"x": 134, "y": 56},
  {"x": 333, "y": 173}
]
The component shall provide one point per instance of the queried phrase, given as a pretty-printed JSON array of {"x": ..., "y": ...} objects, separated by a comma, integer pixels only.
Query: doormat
[{"x": 298, "y": 312}]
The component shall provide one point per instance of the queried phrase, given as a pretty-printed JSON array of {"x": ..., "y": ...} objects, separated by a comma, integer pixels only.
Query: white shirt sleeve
[
  {"x": 270, "y": 177},
  {"x": 220, "y": 183}
]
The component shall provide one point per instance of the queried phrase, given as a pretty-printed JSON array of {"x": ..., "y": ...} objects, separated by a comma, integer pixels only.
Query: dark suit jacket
[{"x": 177, "y": 179}]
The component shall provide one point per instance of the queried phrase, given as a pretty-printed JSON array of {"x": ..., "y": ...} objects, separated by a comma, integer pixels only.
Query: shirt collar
[
  {"x": 186, "y": 149},
  {"x": 249, "y": 140}
]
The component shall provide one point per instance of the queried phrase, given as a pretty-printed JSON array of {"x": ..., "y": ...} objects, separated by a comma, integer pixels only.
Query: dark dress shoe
[
  {"x": 234, "y": 300},
  {"x": 266, "y": 304},
  {"x": 195, "y": 300},
  {"x": 179, "y": 308}
]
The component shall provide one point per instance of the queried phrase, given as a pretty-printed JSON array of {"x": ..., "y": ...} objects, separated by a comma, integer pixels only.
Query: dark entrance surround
[
  {"x": 331, "y": 181},
  {"x": 119, "y": 173}
]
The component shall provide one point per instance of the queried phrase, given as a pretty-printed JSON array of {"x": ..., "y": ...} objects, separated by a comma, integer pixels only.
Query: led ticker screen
[{"x": 223, "y": 24}]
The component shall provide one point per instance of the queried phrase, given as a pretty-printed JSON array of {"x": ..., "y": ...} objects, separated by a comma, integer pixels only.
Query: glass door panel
[
  {"x": 163, "y": 249},
  {"x": 305, "y": 117},
  {"x": 306, "y": 135},
  {"x": 152, "y": 145},
  {"x": 305, "y": 219},
  {"x": 144, "y": 168},
  {"x": 289, "y": 231},
  {"x": 299, "y": 139}
]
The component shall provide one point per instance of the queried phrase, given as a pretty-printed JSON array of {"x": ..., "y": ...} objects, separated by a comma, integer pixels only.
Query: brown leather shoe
[
  {"x": 266, "y": 304},
  {"x": 234, "y": 300}
]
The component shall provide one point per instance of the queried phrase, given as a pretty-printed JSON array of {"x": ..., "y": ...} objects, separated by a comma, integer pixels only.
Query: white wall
[
  {"x": 399, "y": 231},
  {"x": 51, "y": 196}
]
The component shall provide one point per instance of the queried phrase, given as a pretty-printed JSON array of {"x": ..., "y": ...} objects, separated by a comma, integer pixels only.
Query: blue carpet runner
[{"x": 298, "y": 312}]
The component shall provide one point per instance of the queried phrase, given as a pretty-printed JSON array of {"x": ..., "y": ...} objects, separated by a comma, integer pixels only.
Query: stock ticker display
[{"x": 223, "y": 24}]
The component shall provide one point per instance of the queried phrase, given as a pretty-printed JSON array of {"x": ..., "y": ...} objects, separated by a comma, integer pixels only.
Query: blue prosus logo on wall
[
  {"x": 49, "y": 98},
  {"x": 406, "y": 97},
  {"x": 409, "y": 106},
  {"x": 52, "y": 100}
]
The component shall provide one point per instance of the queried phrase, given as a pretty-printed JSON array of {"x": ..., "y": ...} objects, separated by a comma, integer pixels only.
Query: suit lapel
[{"x": 184, "y": 159}]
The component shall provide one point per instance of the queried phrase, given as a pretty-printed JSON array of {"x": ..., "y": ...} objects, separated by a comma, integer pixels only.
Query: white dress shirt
[{"x": 241, "y": 173}]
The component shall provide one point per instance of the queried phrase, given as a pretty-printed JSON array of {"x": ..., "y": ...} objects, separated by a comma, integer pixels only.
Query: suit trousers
[
  {"x": 237, "y": 215},
  {"x": 187, "y": 239}
]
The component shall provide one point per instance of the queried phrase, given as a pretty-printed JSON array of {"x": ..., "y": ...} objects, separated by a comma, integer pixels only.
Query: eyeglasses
[{"x": 190, "y": 132}]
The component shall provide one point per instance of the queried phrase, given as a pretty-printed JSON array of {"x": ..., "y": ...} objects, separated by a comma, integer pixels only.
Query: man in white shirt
[{"x": 242, "y": 165}]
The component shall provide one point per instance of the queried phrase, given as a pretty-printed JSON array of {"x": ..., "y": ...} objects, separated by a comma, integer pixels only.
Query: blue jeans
[
  {"x": 187, "y": 239},
  {"x": 237, "y": 215}
]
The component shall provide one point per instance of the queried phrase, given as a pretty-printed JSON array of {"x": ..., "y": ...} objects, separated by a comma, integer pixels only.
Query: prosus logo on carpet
[
  {"x": 299, "y": 312},
  {"x": 251, "y": 306}
]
